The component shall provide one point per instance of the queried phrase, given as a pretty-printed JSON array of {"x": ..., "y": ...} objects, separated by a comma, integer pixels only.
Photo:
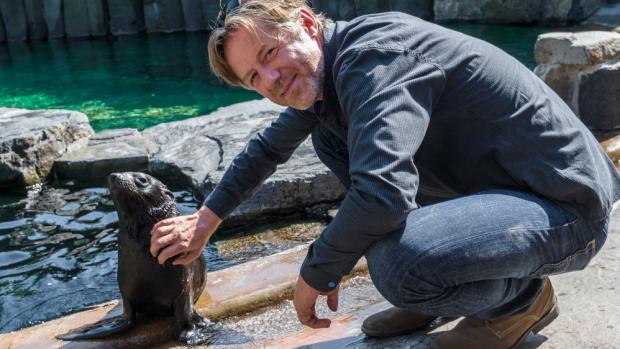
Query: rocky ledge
[{"x": 193, "y": 153}]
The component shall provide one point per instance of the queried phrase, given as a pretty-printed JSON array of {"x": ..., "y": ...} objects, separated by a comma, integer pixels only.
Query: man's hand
[
  {"x": 183, "y": 235},
  {"x": 305, "y": 300}
]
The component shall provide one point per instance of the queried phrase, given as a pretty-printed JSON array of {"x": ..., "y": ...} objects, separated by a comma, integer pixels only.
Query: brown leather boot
[
  {"x": 395, "y": 322},
  {"x": 506, "y": 332}
]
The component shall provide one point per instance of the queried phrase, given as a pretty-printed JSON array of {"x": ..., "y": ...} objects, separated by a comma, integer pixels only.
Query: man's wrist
[{"x": 208, "y": 221}]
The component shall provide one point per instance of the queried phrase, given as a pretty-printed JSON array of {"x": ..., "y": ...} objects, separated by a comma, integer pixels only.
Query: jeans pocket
[{"x": 576, "y": 261}]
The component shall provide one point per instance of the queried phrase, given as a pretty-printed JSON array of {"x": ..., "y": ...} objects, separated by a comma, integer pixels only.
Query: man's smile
[{"x": 288, "y": 86}]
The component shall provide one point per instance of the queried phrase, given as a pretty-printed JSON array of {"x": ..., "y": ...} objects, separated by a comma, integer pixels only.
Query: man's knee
[{"x": 398, "y": 277}]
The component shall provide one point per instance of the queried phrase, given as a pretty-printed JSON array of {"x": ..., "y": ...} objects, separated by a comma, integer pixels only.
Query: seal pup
[{"x": 148, "y": 288}]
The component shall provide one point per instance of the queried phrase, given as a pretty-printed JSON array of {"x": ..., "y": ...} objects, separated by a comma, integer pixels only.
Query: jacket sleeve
[
  {"x": 388, "y": 96},
  {"x": 258, "y": 160}
]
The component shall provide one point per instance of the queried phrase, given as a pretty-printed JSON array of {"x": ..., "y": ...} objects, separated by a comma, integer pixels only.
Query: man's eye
[
  {"x": 253, "y": 79},
  {"x": 270, "y": 52}
]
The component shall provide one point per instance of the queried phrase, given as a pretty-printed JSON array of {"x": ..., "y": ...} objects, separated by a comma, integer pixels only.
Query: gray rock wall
[
  {"x": 52, "y": 12},
  {"x": 2, "y": 32},
  {"x": 97, "y": 18},
  {"x": 126, "y": 16},
  {"x": 37, "y": 28},
  {"x": 193, "y": 16},
  {"x": 163, "y": 16},
  {"x": 15, "y": 20},
  {"x": 515, "y": 11},
  {"x": 75, "y": 13}
]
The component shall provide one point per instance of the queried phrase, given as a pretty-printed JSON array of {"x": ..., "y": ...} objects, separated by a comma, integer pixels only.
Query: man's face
[{"x": 286, "y": 68}]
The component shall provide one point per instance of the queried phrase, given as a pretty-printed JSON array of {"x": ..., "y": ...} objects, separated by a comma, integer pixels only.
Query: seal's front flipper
[
  {"x": 99, "y": 329},
  {"x": 189, "y": 327}
]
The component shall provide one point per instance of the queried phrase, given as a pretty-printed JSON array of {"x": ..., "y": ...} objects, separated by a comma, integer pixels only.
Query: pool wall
[{"x": 22, "y": 20}]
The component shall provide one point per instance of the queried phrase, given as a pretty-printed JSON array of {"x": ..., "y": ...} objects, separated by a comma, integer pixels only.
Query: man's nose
[{"x": 270, "y": 77}]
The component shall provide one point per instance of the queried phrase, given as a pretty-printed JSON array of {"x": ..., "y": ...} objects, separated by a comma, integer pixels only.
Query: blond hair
[{"x": 271, "y": 14}]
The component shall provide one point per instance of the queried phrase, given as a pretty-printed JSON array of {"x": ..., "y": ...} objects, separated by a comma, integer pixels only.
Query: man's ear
[{"x": 308, "y": 22}]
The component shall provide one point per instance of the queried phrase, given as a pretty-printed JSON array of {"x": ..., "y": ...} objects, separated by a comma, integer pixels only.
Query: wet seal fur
[{"x": 148, "y": 288}]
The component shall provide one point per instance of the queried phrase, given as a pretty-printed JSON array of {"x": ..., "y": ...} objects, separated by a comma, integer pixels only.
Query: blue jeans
[{"x": 484, "y": 255}]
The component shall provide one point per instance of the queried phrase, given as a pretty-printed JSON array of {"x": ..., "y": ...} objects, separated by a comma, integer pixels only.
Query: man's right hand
[{"x": 183, "y": 236}]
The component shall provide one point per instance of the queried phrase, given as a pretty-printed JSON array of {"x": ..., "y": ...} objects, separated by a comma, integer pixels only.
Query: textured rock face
[
  {"x": 2, "y": 32},
  {"x": 126, "y": 16},
  {"x": 193, "y": 15},
  {"x": 97, "y": 21},
  {"x": 15, "y": 20},
  {"x": 347, "y": 9},
  {"x": 599, "y": 97},
  {"x": 52, "y": 12},
  {"x": 515, "y": 11},
  {"x": 76, "y": 18},
  {"x": 109, "y": 151},
  {"x": 31, "y": 140},
  {"x": 163, "y": 16},
  {"x": 198, "y": 151},
  {"x": 585, "y": 48},
  {"x": 608, "y": 16},
  {"x": 37, "y": 28},
  {"x": 584, "y": 70}
]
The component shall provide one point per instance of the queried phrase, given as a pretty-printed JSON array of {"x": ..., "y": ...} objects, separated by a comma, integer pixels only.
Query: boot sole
[{"x": 542, "y": 323}]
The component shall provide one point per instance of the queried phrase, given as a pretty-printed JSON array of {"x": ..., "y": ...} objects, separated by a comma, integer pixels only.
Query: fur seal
[{"x": 148, "y": 288}]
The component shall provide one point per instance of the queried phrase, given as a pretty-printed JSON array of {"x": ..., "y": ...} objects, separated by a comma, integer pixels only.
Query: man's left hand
[{"x": 305, "y": 301}]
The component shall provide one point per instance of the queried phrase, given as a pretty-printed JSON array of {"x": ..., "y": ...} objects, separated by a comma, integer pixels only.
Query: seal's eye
[{"x": 141, "y": 181}]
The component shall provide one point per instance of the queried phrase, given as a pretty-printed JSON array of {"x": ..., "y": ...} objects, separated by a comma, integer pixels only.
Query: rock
[
  {"x": 599, "y": 98},
  {"x": 562, "y": 79},
  {"x": 52, "y": 12},
  {"x": 418, "y": 8},
  {"x": 300, "y": 182},
  {"x": 97, "y": 18},
  {"x": 515, "y": 11},
  {"x": 2, "y": 32},
  {"x": 94, "y": 163},
  {"x": 584, "y": 48},
  {"x": 607, "y": 16},
  {"x": 37, "y": 28},
  {"x": 131, "y": 136},
  {"x": 32, "y": 139},
  {"x": 76, "y": 18},
  {"x": 163, "y": 16},
  {"x": 15, "y": 20},
  {"x": 210, "y": 10},
  {"x": 193, "y": 15},
  {"x": 126, "y": 16}
]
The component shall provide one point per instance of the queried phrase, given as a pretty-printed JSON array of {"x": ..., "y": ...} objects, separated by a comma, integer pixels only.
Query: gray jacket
[{"x": 424, "y": 109}]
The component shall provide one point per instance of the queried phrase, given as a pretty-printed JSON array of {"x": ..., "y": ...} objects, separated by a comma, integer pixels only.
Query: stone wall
[
  {"x": 584, "y": 70},
  {"x": 39, "y": 19}
]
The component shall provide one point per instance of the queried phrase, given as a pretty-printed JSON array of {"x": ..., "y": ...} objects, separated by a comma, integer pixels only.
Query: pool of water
[
  {"x": 131, "y": 81},
  {"x": 140, "y": 81},
  {"x": 58, "y": 250}
]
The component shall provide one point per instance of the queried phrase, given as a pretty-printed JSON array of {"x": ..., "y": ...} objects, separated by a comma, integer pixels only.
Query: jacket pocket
[{"x": 576, "y": 261}]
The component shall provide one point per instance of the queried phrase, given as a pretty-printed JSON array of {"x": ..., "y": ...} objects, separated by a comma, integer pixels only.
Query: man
[{"x": 468, "y": 180}]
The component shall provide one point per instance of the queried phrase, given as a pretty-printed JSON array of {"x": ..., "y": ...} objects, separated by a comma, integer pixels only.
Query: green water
[
  {"x": 140, "y": 81},
  {"x": 134, "y": 81}
]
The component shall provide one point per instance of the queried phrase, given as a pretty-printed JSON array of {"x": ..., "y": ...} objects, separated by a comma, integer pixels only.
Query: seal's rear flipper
[{"x": 99, "y": 329}]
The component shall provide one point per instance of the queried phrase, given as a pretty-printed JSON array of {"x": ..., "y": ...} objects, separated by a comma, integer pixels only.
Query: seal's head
[{"x": 139, "y": 196}]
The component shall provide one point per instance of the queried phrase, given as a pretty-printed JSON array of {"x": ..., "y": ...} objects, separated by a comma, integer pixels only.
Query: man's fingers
[
  {"x": 314, "y": 322},
  {"x": 187, "y": 258},
  {"x": 332, "y": 301},
  {"x": 161, "y": 224},
  {"x": 169, "y": 251}
]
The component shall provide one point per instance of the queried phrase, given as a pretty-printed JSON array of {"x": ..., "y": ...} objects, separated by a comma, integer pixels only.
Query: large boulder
[
  {"x": 115, "y": 150},
  {"x": 126, "y": 16},
  {"x": 31, "y": 140},
  {"x": 515, "y": 11},
  {"x": 199, "y": 150},
  {"x": 579, "y": 67},
  {"x": 37, "y": 28},
  {"x": 52, "y": 12},
  {"x": 15, "y": 20},
  {"x": 163, "y": 16}
]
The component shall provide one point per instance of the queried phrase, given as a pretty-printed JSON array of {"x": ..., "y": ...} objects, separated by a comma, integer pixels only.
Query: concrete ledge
[{"x": 229, "y": 292}]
